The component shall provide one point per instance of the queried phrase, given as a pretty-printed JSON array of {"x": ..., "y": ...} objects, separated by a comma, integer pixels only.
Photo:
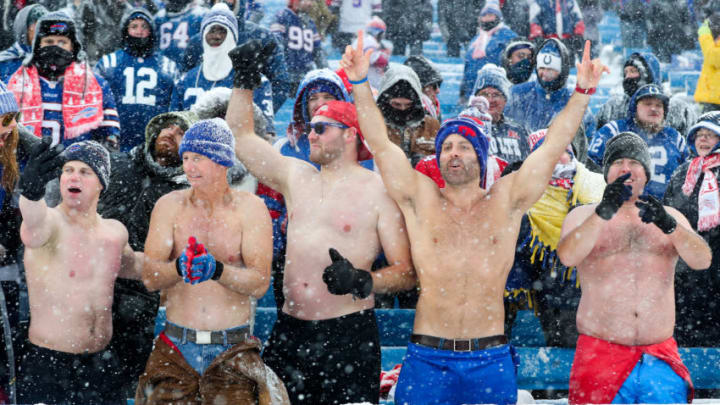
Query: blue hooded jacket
[
  {"x": 493, "y": 54},
  {"x": 667, "y": 148}
]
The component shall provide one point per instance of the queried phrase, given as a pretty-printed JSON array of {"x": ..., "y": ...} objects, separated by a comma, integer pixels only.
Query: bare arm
[
  {"x": 39, "y": 222},
  {"x": 159, "y": 270},
  {"x": 530, "y": 181},
  {"x": 254, "y": 278},
  {"x": 580, "y": 232},
  {"x": 400, "y": 178},
  {"x": 691, "y": 247},
  {"x": 263, "y": 161},
  {"x": 132, "y": 264},
  {"x": 399, "y": 275}
]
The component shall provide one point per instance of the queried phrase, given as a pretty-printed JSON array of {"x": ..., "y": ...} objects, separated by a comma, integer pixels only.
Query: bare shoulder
[
  {"x": 172, "y": 199},
  {"x": 580, "y": 213},
  {"x": 115, "y": 227},
  {"x": 247, "y": 200}
]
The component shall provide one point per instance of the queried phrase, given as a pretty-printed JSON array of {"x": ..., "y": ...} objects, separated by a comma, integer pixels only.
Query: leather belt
[
  {"x": 216, "y": 337},
  {"x": 459, "y": 345}
]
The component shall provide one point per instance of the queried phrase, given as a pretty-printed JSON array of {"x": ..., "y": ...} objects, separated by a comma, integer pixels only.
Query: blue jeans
[
  {"x": 443, "y": 377},
  {"x": 199, "y": 356},
  {"x": 652, "y": 381}
]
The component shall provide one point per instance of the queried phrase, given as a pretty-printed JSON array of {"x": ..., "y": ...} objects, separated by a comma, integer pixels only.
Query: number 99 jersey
[
  {"x": 300, "y": 38},
  {"x": 174, "y": 30}
]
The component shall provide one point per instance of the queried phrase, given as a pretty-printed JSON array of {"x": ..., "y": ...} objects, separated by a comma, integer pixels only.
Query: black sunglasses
[
  {"x": 7, "y": 118},
  {"x": 319, "y": 127}
]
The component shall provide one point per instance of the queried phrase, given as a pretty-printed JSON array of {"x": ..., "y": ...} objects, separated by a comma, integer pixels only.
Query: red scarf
[
  {"x": 708, "y": 199},
  {"x": 82, "y": 100},
  {"x": 600, "y": 368}
]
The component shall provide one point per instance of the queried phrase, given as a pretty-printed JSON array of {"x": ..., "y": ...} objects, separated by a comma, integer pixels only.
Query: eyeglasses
[
  {"x": 320, "y": 127},
  {"x": 9, "y": 117},
  {"x": 706, "y": 135}
]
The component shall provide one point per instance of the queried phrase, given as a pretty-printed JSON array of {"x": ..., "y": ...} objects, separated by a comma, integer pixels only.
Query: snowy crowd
[{"x": 142, "y": 166}]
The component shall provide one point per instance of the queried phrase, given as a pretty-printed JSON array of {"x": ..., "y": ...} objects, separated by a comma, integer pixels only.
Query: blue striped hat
[{"x": 7, "y": 100}]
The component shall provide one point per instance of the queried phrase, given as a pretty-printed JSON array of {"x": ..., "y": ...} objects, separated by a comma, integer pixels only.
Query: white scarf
[{"x": 216, "y": 63}]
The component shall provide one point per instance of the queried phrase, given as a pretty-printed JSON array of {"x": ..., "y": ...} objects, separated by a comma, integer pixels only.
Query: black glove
[
  {"x": 43, "y": 165},
  {"x": 652, "y": 210},
  {"x": 249, "y": 60},
  {"x": 616, "y": 193},
  {"x": 342, "y": 278}
]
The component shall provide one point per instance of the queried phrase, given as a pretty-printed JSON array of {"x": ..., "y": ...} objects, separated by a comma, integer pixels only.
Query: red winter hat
[{"x": 345, "y": 113}]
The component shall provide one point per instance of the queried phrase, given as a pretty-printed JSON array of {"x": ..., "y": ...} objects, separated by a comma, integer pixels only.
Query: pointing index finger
[{"x": 360, "y": 45}]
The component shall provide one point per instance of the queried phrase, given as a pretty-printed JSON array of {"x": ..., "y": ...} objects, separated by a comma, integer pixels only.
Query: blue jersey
[
  {"x": 194, "y": 83},
  {"x": 143, "y": 88},
  {"x": 668, "y": 150},
  {"x": 300, "y": 38},
  {"x": 52, "y": 124},
  {"x": 174, "y": 31}
]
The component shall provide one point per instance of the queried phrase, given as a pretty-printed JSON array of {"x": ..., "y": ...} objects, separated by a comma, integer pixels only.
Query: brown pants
[{"x": 237, "y": 376}]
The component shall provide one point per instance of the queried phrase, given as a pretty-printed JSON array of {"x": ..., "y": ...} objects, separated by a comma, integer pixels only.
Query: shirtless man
[
  {"x": 72, "y": 259},
  {"x": 625, "y": 249},
  {"x": 325, "y": 344},
  {"x": 206, "y": 352},
  {"x": 463, "y": 241}
]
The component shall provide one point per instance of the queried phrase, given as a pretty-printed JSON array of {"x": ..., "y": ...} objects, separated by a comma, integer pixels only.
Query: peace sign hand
[{"x": 355, "y": 62}]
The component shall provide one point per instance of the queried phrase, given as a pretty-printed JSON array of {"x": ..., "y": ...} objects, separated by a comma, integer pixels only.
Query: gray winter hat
[
  {"x": 92, "y": 154},
  {"x": 626, "y": 145}
]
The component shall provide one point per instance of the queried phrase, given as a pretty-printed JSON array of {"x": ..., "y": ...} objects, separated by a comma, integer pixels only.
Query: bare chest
[
  {"x": 633, "y": 237},
  {"x": 85, "y": 255},
  {"x": 219, "y": 230}
]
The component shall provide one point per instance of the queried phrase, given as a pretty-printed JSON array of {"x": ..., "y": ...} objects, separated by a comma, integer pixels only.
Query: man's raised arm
[
  {"x": 39, "y": 221},
  {"x": 263, "y": 161},
  {"x": 397, "y": 173},
  {"x": 530, "y": 181}
]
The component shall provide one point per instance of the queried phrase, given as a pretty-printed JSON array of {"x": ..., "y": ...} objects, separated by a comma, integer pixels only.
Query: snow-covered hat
[
  {"x": 549, "y": 57},
  {"x": 211, "y": 138},
  {"x": 492, "y": 75},
  {"x": 92, "y": 154},
  {"x": 220, "y": 14},
  {"x": 626, "y": 145}
]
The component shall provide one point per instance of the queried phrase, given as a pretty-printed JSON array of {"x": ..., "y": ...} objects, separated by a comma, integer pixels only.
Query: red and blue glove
[
  {"x": 184, "y": 261},
  {"x": 204, "y": 267}
]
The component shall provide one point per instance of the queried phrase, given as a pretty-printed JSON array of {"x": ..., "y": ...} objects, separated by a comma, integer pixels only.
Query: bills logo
[
  {"x": 85, "y": 113},
  {"x": 513, "y": 134}
]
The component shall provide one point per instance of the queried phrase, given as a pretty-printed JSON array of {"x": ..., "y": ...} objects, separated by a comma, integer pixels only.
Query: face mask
[
  {"x": 398, "y": 117},
  {"x": 630, "y": 85},
  {"x": 51, "y": 61},
  {"x": 488, "y": 25},
  {"x": 520, "y": 72},
  {"x": 139, "y": 46}
]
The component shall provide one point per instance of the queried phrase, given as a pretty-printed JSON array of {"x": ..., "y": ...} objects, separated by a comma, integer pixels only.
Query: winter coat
[
  {"x": 9, "y": 209},
  {"x": 492, "y": 53},
  {"x": 416, "y": 136},
  {"x": 12, "y": 58},
  {"x": 680, "y": 114},
  {"x": 667, "y": 148},
  {"x": 137, "y": 181},
  {"x": 275, "y": 70},
  {"x": 533, "y": 106},
  {"x": 411, "y": 20},
  {"x": 697, "y": 293},
  {"x": 708, "y": 86},
  {"x": 544, "y": 19},
  {"x": 509, "y": 140}
]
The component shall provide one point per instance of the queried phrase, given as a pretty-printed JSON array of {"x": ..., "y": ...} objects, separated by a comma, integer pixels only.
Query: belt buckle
[
  {"x": 469, "y": 345},
  {"x": 203, "y": 337}
]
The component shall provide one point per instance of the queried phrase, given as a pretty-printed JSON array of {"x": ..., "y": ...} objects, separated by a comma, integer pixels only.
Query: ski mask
[
  {"x": 488, "y": 25},
  {"x": 139, "y": 46},
  {"x": 401, "y": 89},
  {"x": 51, "y": 61},
  {"x": 630, "y": 85},
  {"x": 520, "y": 72}
]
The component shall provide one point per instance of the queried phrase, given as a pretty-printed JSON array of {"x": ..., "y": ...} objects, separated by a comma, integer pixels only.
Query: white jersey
[{"x": 354, "y": 14}]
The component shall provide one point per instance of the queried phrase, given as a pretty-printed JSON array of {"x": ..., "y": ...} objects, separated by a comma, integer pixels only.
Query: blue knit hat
[
  {"x": 211, "y": 138},
  {"x": 92, "y": 154},
  {"x": 470, "y": 129},
  {"x": 7, "y": 100},
  {"x": 220, "y": 14},
  {"x": 492, "y": 76}
]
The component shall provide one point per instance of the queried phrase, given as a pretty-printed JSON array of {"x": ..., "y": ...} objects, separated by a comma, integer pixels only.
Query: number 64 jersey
[{"x": 142, "y": 87}]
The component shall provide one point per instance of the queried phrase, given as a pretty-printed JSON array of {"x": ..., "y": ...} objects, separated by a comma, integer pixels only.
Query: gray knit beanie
[{"x": 626, "y": 145}]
